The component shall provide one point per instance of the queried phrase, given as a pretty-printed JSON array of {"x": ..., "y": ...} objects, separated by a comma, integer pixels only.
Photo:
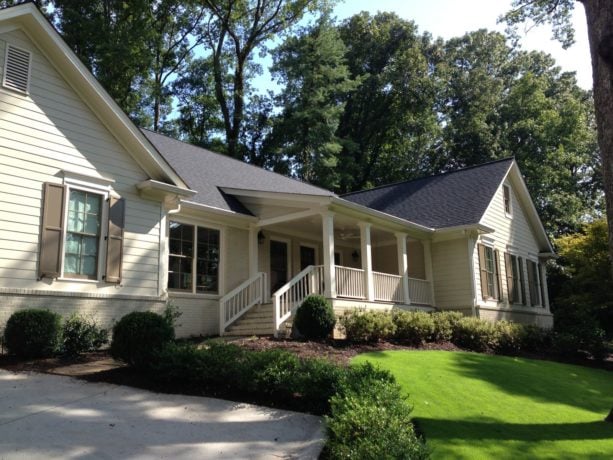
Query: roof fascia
[
  {"x": 279, "y": 196},
  {"x": 218, "y": 211},
  {"x": 479, "y": 228},
  {"x": 42, "y": 33}
]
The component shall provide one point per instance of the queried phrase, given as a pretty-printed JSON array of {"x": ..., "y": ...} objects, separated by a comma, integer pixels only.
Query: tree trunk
[{"x": 599, "y": 15}]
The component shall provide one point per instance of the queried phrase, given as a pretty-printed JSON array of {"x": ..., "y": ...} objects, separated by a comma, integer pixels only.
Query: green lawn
[{"x": 473, "y": 406}]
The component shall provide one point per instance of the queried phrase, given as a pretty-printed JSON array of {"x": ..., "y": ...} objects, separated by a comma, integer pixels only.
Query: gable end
[{"x": 17, "y": 65}]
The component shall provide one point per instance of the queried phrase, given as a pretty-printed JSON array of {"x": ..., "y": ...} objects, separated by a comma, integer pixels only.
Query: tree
[
  {"x": 599, "y": 17},
  {"x": 311, "y": 66},
  {"x": 235, "y": 29},
  {"x": 389, "y": 126}
]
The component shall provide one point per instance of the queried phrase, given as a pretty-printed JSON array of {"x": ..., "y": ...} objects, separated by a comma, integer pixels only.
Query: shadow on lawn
[
  {"x": 546, "y": 381},
  {"x": 499, "y": 431}
]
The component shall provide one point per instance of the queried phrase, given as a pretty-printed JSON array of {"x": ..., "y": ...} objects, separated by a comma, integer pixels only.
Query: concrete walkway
[{"x": 49, "y": 416}]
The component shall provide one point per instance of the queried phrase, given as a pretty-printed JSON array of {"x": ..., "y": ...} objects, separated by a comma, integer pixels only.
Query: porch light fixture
[
  {"x": 355, "y": 255},
  {"x": 261, "y": 237}
]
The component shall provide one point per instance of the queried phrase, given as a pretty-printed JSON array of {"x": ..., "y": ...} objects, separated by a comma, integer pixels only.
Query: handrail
[
  {"x": 388, "y": 287},
  {"x": 421, "y": 291},
  {"x": 239, "y": 300},
  {"x": 349, "y": 282},
  {"x": 291, "y": 295}
]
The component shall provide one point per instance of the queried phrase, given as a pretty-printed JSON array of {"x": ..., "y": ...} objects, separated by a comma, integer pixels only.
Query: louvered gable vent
[{"x": 16, "y": 69}]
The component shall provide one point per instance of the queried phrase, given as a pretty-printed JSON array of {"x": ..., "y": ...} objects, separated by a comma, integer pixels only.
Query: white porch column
[
  {"x": 403, "y": 266},
  {"x": 544, "y": 285},
  {"x": 366, "y": 251},
  {"x": 253, "y": 251},
  {"x": 427, "y": 244},
  {"x": 327, "y": 220}
]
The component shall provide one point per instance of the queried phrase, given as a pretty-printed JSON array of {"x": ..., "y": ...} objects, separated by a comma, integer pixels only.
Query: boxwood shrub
[
  {"x": 33, "y": 333},
  {"x": 81, "y": 334},
  {"x": 367, "y": 326},
  {"x": 315, "y": 318},
  {"x": 139, "y": 336},
  {"x": 445, "y": 323},
  {"x": 413, "y": 327}
]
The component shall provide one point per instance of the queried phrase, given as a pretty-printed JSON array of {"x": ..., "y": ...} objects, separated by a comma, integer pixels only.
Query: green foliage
[
  {"x": 475, "y": 334},
  {"x": 508, "y": 338},
  {"x": 535, "y": 339},
  {"x": 413, "y": 327},
  {"x": 367, "y": 325},
  {"x": 445, "y": 322},
  {"x": 372, "y": 423},
  {"x": 81, "y": 334},
  {"x": 33, "y": 333},
  {"x": 315, "y": 318},
  {"x": 139, "y": 336}
]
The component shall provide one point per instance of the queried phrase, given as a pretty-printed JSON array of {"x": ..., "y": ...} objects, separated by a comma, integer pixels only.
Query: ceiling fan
[{"x": 348, "y": 235}]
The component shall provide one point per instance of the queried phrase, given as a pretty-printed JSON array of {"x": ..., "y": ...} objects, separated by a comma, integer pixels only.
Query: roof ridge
[
  {"x": 445, "y": 173},
  {"x": 236, "y": 159}
]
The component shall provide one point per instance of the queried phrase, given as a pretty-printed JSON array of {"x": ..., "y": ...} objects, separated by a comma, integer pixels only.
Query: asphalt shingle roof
[
  {"x": 207, "y": 172},
  {"x": 446, "y": 200}
]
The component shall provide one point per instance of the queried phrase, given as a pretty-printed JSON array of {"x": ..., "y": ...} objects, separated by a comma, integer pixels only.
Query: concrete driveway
[{"x": 49, "y": 416}]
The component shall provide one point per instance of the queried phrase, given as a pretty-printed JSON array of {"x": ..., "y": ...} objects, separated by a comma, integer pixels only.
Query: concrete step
[{"x": 258, "y": 320}]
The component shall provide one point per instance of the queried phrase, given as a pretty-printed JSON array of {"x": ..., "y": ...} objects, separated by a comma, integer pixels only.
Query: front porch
[{"x": 354, "y": 263}]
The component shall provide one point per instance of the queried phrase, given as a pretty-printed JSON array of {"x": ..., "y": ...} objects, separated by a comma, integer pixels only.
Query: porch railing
[
  {"x": 420, "y": 290},
  {"x": 291, "y": 295},
  {"x": 388, "y": 287},
  {"x": 240, "y": 299},
  {"x": 349, "y": 282}
]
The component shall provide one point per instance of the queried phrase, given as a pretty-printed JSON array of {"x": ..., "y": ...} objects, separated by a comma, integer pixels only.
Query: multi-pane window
[
  {"x": 488, "y": 266},
  {"x": 82, "y": 234},
  {"x": 194, "y": 258},
  {"x": 515, "y": 279},
  {"x": 534, "y": 283},
  {"x": 507, "y": 199},
  {"x": 522, "y": 280}
]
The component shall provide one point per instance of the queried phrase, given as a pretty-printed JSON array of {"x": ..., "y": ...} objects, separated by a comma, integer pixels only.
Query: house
[{"x": 100, "y": 217}]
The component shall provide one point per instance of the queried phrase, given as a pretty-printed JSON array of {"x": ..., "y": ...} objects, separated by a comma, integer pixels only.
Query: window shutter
[
  {"x": 531, "y": 286},
  {"x": 508, "y": 265},
  {"x": 51, "y": 239},
  {"x": 542, "y": 284},
  {"x": 498, "y": 275},
  {"x": 483, "y": 272},
  {"x": 114, "y": 240},
  {"x": 522, "y": 281}
]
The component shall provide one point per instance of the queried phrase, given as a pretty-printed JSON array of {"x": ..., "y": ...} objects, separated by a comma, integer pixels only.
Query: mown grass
[{"x": 474, "y": 406}]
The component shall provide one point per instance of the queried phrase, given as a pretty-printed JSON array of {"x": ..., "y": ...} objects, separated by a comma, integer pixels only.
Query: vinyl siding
[
  {"x": 512, "y": 234},
  {"x": 452, "y": 282},
  {"x": 41, "y": 134}
]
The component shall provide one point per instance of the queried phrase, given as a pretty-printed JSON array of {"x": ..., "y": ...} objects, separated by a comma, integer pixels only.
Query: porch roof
[{"x": 450, "y": 199}]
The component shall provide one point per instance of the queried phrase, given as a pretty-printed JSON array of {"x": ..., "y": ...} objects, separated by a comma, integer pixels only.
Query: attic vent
[{"x": 16, "y": 69}]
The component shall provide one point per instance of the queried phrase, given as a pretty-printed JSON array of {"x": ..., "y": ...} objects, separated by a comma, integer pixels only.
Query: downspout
[{"x": 163, "y": 262}]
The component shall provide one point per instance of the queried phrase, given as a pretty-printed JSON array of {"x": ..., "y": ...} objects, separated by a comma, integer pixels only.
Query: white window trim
[
  {"x": 221, "y": 285},
  {"x": 288, "y": 242},
  {"x": 510, "y": 213},
  {"x": 532, "y": 258},
  {"x": 104, "y": 192}
]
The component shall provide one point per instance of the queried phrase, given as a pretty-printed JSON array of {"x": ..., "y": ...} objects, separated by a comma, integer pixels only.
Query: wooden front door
[{"x": 279, "y": 274}]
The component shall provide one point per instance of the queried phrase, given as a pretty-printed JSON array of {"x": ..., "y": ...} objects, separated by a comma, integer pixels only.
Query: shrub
[
  {"x": 475, "y": 334},
  {"x": 82, "y": 334},
  {"x": 33, "y": 333},
  {"x": 318, "y": 380},
  {"x": 315, "y": 318},
  {"x": 508, "y": 337},
  {"x": 445, "y": 323},
  {"x": 367, "y": 326},
  {"x": 139, "y": 336},
  {"x": 272, "y": 372},
  {"x": 575, "y": 343},
  {"x": 374, "y": 423},
  {"x": 535, "y": 339},
  {"x": 414, "y": 327}
]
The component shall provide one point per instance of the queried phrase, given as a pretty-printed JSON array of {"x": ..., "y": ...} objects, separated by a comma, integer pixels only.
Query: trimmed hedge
[
  {"x": 413, "y": 327},
  {"x": 33, "y": 333},
  {"x": 315, "y": 318},
  {"x": 367, "y": 326},
  {"x": 139, "y": 336}
]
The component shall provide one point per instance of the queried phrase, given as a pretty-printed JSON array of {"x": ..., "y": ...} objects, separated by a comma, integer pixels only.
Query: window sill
[
  {"x": 79, "y": 280},
  {"x": 193, "y": 295}
]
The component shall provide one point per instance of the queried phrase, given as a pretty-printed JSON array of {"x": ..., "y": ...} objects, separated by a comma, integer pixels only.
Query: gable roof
[
  {"x": 445, "y": 200},
  {"x": 208, "y": 172},
  {"x": 35, "y": 25}
]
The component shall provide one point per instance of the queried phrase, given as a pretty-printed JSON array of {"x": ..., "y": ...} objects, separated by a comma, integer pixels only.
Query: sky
[{"x": 453, "y": 18}]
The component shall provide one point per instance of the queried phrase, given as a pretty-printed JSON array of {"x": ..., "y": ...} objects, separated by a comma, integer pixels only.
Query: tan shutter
[
  {"x": 508, "y": 265},
  {"x": 114, "y": 241},
  {"x": 522, "y": 281},
  {"x": 498, "y": 275},
  {"x": 531, "y": 286},
  {"x": 52, "y": 232},
  {"x": 483, "y": 272}
]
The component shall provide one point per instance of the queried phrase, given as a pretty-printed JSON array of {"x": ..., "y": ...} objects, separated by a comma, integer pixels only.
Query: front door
[
  {"x": 278, "y": 264},
  {"x": 307, "y": 257}
]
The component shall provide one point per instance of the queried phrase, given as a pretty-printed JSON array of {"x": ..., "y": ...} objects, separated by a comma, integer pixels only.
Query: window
[
  {"x": 507, "y": 200},
  {"x": 534, "y": 283},
  {"x": 81, "y": 228},
  {"x": 83, "y": 224},
  {"x": 515, "y": 279},
  {"x": 488, "y": 265},
  {"x": 194, "y": 258}
]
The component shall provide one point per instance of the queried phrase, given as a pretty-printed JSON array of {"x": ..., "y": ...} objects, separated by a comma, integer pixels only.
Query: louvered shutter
[
  {"x": 508, "y": 265},
  {"x": 51, "y": 240},
  {"x": 483, "y": 272},
  {"x": 498, "y": 275},
  {"x": 16, "y": 69},
  {"x": 114, "y": 240}
]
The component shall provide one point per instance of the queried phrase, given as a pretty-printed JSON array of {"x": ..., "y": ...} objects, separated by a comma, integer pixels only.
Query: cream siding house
[{"x": 100, "y": 217}]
